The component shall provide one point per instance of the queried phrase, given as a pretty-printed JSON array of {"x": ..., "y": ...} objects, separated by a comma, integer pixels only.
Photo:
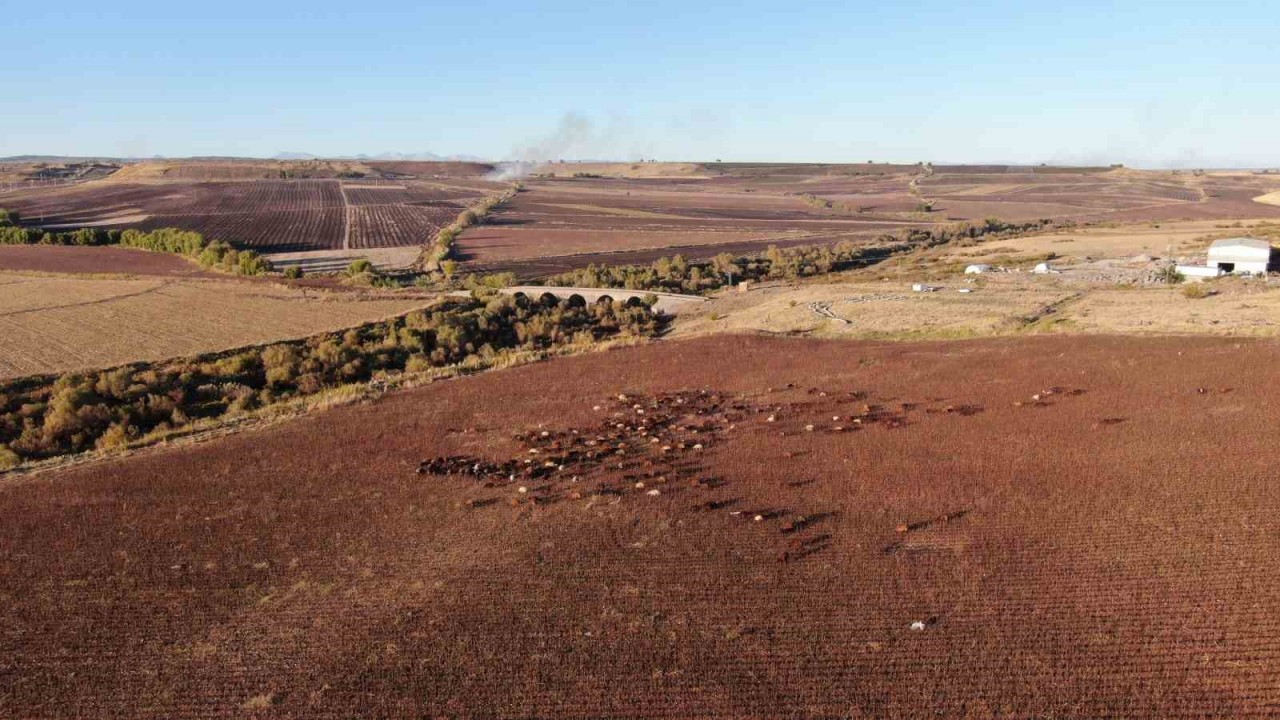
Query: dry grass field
[
  {"x": 1272, "y": 198},
  {"x": 1033, "y": 527},
  {"x": 1104, "y": 282},
  {"x": 1158, "y": 239},
  {"x": 1013, "y": 304},
  {"x": 53, "y": 324},
  {"x": 608, "y": 214}
]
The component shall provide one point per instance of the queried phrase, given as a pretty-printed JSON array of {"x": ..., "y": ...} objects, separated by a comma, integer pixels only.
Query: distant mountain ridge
[{"x": 383, "y": 157}]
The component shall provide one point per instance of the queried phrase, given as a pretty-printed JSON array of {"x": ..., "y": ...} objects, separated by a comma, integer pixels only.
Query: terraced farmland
[{"x": 727, "y": 527}]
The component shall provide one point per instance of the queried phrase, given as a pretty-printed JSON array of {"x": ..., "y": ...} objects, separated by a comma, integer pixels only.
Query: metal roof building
[{"x": 1240, "y": 255}]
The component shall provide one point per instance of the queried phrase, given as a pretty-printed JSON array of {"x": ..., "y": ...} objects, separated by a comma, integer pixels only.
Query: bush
[
  {"x": 360, "y": 267},
  {"x": 116, "y": 437},
  {"x": 680, "y": 275},
  {"x": 293, "y": 273},
  {"x": 440, "y": 248},
  {"x": 8, "y": 458},
  {"x": 110, "y": 409},
  {"x": 1169, "y": 274},
  {"x": 211, "y": 254},
  {"x": 1196, "y": 291}
]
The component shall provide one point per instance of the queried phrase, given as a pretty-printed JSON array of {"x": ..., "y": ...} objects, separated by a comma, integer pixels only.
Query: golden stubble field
[{"x": 55, "y": 324}]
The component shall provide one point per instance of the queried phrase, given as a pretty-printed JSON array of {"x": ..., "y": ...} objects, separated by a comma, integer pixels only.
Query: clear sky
[{"x": 1144, "y": 82}]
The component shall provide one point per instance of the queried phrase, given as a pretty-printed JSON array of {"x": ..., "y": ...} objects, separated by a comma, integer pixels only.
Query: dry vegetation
[
  {"x": 573, "y": 215},
  {"x": 51, "y": 324},
  {"x": 1056, "y": 515},
  {"x": 1105, "y": 280},
  {"x": 54, "y": 416}
]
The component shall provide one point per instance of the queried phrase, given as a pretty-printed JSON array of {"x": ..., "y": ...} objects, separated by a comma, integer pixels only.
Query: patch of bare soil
[
  {"x": 727, "y": 527},
  {"x": 96, "y": 260}
]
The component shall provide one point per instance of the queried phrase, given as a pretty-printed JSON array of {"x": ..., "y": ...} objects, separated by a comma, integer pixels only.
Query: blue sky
[{"x": 1141, "y": 82}]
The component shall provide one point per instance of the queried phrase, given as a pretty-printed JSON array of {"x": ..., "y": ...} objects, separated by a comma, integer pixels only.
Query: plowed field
[
  {"x": 55, "y": 324},
  {"x": 725, "y": 527}
]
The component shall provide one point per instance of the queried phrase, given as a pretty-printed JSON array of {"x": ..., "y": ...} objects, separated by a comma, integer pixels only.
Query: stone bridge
[{"x": 669, "y": 303}]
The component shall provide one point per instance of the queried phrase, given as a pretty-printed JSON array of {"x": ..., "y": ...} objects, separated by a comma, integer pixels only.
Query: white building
[
  {"x": 1198, "y": 272},
  {"x": 1240, "y": 255}
]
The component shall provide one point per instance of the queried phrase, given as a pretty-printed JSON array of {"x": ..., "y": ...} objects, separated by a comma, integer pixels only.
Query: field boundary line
[
  {"x": 346, "y": 216},
  {"x": 99, "y": 301}
]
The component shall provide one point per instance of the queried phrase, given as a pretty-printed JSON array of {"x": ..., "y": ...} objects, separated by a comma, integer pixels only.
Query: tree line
[
  {"x": 48, "y": 416},
  {"x": 211, "y": 254},
  {"x": 681, "y": 275},
  {"x": 436, "y": 259}
]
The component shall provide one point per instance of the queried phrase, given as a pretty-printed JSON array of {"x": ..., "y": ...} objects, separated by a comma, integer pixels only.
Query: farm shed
[
  {"x": 1240, "y": 255},
  {"x": 977, "y": 269},
  {"x": 1198, "y": 272}
]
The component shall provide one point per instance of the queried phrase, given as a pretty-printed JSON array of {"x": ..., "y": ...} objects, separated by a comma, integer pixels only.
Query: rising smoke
[{"x": 575, "y": 137}]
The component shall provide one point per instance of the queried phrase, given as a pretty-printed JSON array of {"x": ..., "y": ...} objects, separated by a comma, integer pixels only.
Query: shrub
[
  {"x": 359, "y": 267},
  {"x": 1196, "y": 291},
  {"x": 116, "y": 437},
  {"x": 109, "y": 409},
  {"x": 293, "y": 273},
  {"x": 677, "y": 274},
  {"x": 1169, "y": 274},
  {"x": 8, "y": 458},
  {"x": 213, "y": 254}
]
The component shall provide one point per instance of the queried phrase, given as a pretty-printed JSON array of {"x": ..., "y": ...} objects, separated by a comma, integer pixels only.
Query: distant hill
[{"x": 381, "y": 157}]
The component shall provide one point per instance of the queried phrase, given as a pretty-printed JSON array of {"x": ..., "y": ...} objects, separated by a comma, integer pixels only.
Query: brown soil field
[
  {"x": 489, "y": 244},
  {"x": 618, "y": 213},
  {"x": 54, "y": 324},
  {"x": 96, "y": 261},
  {"x": 192, "y": 170},
  {"x": 564, "y": 222},
  {"x": 266, "y": 215},
  {"x": 743, "y": 527}
]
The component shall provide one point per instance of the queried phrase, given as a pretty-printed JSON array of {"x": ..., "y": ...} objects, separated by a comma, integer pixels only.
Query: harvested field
[
  {"x": 54, "y": 324},
  {"x": 271, "y": 216},
  {"x": 615, "y": 212},
  {"x": 96, "y": 261},
  {"x": 492, "y": 245},
  {"x": 1272, "y": 198},
  {"x": 564, "y": 222},
  {"x": 388, "y": 226},
  {"x": 1033, "y": 527}
]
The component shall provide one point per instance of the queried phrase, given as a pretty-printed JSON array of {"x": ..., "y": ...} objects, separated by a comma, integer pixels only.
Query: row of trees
[
  {"x": 44, "y": 417},
  {"x": 212, "y": 254},
  {"x": 678, "y": 274},
  {"x": 436, "y": 257}
]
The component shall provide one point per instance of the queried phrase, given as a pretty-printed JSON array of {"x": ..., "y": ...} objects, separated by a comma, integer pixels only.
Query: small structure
[
  {"x": 1195, "y": 273},
  {"x": 1241, "y": 255},
  {"x": 922, "y": 287},
  {"x": 977, "y": 269},
  {"x": 1044, "y": 268}
]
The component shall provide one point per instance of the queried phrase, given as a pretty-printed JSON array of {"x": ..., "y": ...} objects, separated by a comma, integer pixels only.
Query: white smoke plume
[{"x": 575, "y": 137}]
